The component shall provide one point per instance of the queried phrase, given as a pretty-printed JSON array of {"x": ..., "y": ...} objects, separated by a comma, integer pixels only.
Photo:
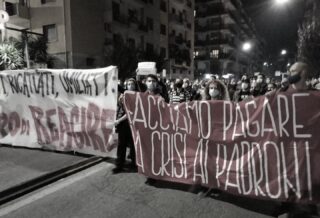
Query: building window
[
  {"x": 149, "y": 48},
  {"x": 115, "y": 10},
  {"x": 47, "y": 1},
  {"x": 163, "y": 52},
  {"x": 163, "y": 6},
  {"x": 149, "y": 23},
  {"x": 131, "y": 43},
  {"x": 50, "y": 31},
  {"x": 11, "y": 8},
  {"x": 107, "y": 27},
  {"x": 214, "y": 54},
  {"x": 163, "y": 29},
  {"x": 195, "y": 54}
]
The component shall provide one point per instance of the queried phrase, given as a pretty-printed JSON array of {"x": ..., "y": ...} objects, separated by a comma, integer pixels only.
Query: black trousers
[{"x": 125, "y": 141}]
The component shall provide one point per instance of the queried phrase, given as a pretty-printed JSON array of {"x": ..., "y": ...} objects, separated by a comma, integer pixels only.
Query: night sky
[{"x": 277, "y": 24}]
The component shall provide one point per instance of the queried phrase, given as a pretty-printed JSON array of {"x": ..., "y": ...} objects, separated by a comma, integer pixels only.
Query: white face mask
[
  {"x": 202, "y": 92},
  {"x": 259, "y": 80},
  {"x": 244, "y": 86},
  {"x": 185, "y": 85},
  {"x": 214, "y": 93},
  {"x": 151, "y": 86}
]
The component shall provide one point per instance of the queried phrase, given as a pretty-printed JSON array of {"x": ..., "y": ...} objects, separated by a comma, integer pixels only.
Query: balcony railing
[
  {"x": 220, "y": 41},
  {"x": 179, "y": 1},
  {"x": 217, "y": 27}
]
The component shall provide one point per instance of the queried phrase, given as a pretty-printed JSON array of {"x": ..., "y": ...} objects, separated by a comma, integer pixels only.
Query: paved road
[
  {"x": 96, "y": 192},
  {"x": 18, "y": 165}
]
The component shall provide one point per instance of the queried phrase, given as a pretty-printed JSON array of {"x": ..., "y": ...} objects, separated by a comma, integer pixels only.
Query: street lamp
[
  {"x": 265, "y": 64},
  {"x": 246, "y": 46},
  {"x": 281, "y": 2},
  {"x": 283, "y": 52}
]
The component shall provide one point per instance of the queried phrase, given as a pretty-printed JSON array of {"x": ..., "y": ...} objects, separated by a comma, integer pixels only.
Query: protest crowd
[{"x": 182, "y": 90}]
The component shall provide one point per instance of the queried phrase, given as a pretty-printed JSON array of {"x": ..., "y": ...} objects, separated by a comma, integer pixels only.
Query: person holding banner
[
  {"x": 123, "y": 129},
  {"x": 298, "y": 76}
]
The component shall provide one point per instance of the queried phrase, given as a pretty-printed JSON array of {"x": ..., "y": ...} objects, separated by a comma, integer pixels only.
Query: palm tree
[{"x": 10, "y": 56}]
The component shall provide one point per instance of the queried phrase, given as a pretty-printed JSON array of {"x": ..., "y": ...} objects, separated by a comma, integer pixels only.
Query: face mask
[
  {"x": 259, "y": 80},
  {"x": 202, "y": 92},
  {"x": 294, "y": 79},
  {"x": 185, "y": 86},
  {"x": 151, "y": 86},
  {"x": 244, "y": 86},
  {"x": 214, "y": 93}
]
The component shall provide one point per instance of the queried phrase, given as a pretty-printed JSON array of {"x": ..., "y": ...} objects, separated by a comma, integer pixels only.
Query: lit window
[
  {"x": 195, "y": 54},
  {"x": 214, "y": 54}
]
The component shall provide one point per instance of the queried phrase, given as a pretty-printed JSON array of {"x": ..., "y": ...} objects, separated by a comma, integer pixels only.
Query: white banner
[{"x": 65, "y": 110}]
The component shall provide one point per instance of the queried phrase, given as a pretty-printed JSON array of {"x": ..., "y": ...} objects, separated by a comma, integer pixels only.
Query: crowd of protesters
[{"x": 184, "y": 90}]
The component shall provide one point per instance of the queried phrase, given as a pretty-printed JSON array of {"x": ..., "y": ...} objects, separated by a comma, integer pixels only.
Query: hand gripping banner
[
  {"x": 66, "y": 110},
  {"x": 265, "y": 148}
]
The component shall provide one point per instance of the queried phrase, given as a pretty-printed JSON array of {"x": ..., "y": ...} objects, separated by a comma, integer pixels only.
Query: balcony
[
  {"x": 236, "y": 4},
  {"x": 142, "y": 27},
  {"x": 217, "y": 27},
  {"x": 121, "y": 19},
  {"x": 179, "y": 41},
  {"x": 221, "y": 41},
  {"x": 140, "y": 3},
  {"x": 181, "y": 2},
  {"x": 174, "y": 18},
  {"x": 19, "y": 14},
  {"x": 212, "y": 10}
]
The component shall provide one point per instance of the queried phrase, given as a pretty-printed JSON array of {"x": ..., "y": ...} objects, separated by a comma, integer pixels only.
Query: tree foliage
[{"x": 309, "y": 45}]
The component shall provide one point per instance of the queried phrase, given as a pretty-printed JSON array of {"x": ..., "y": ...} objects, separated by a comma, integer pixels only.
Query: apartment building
[
  {"x": 82, "y": 33},
  {"x": 222, "y": 27}
]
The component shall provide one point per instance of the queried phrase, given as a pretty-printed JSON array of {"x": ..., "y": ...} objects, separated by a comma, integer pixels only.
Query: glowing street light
[
  {"x": 288, "y": 65},
  {"x": 282, "y": 2},
  {"x": 283, "y": 52},
  {"x": 246, "y": 46},
  {"x": 265, "y": 64}
]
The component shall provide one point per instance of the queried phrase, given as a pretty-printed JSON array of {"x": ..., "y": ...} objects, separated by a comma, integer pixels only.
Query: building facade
[
  {"x": 222, "y": 27},
  {"x": 82, "y": 33}
]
